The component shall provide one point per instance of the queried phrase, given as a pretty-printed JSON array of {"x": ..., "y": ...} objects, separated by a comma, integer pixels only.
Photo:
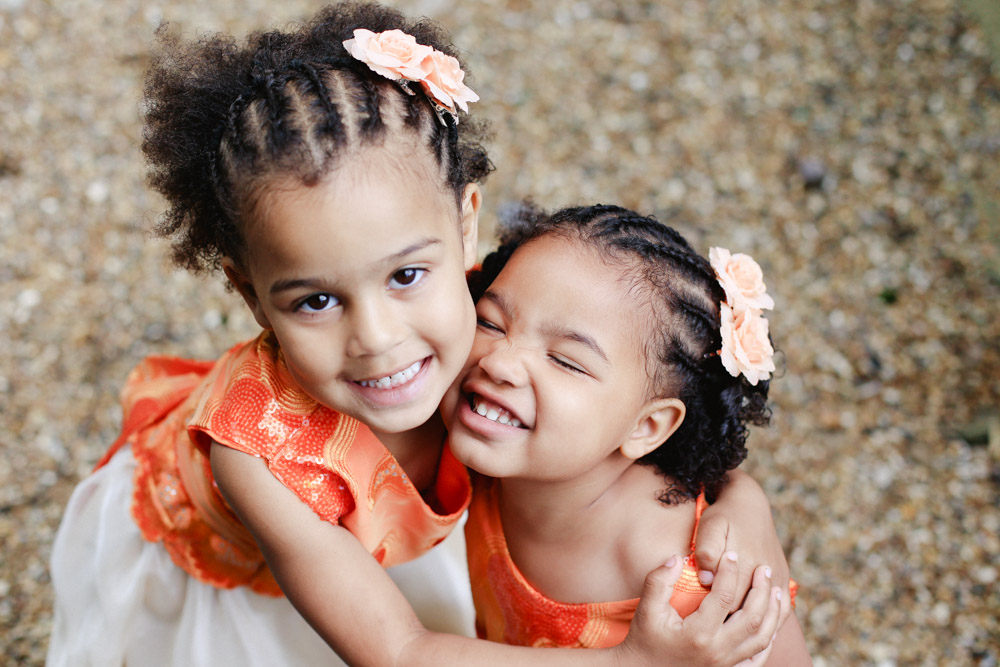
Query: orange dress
[
  {"x": 510, "y": 610},
  {"x": 174, "y": 409}
]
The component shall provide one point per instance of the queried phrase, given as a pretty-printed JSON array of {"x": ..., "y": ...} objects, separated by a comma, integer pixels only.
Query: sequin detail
[{"x": 174, "y": 409}]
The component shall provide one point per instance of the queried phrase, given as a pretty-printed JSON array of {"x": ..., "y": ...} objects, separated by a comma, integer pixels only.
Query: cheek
[
  {"x": 455, "y": 317},
  {"x": 309, "y": 355}
]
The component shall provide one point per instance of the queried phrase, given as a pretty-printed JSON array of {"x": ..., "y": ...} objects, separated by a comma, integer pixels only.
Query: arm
[
  {"x": 789, "y": 648},
  {"x": 740, "y": 520},
  {"x": 352, "y": 603}
]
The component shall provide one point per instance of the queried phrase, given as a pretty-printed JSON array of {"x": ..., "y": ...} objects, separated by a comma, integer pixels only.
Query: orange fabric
[
  {"x": 510, "y": 610},
  {"x": 174, "y": 409}
]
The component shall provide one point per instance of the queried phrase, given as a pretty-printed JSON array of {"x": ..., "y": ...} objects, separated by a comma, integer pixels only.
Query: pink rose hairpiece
[
  {"x": 746, "y": 347},
  {"x": 396, "y": 55}
]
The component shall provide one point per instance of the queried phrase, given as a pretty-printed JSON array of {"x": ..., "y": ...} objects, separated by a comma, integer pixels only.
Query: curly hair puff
[
  {"x": 222, "y": 119},
  {"x": 684, "y": 296}
]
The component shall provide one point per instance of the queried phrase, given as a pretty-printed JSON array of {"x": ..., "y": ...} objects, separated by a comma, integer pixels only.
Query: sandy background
[{"x": 851, "y": 146}]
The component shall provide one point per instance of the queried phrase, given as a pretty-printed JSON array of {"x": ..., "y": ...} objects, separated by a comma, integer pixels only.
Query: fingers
[
  {"x": 710, "y": 545},
  {"x": 715, "y": 607},
  {"x": 743, "y": 582},
  {"x": 654, "y": 605},
  {"x": 756, "y": 623},
  {"x": 786, "y": 607}
]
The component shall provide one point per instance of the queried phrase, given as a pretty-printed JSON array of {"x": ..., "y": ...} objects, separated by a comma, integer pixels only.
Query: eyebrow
[
  {"x": 548, "y": 330},
  {"x": 296, "y": 283}
]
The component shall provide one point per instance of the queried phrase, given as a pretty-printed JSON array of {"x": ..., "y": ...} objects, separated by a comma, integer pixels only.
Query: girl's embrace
[
  {"x": 607, "y": 395},
  {"x": 324, "y": 171}
]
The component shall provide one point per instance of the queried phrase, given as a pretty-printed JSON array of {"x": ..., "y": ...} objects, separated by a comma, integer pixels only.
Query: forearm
[
  {"x": 790, "y": 648},
  {"x": 434, "y": 649},
  {"x": 343, "y": 592},
  {"x": 362, "y": 615}
]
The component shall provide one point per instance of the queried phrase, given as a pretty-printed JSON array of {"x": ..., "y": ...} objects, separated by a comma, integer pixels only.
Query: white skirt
[{"x": 120, "y": 600}]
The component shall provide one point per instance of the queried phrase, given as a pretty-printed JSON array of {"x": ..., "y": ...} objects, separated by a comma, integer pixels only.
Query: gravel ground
[{"x": 851, "y": 145}]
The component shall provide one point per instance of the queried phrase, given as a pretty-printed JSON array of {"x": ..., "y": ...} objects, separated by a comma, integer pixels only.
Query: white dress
[{"x": 120, "y": 600}]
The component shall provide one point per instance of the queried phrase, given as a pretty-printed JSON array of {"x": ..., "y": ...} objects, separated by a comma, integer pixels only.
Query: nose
[
  {"x": 503, "y": 363},
  {"x": 375, "y": 328}
]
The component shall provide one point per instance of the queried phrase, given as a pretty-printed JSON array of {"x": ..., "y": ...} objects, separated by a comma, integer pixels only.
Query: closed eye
[
  {"x": 568, "y": 365},
  {"x": 487, "y": 325}
]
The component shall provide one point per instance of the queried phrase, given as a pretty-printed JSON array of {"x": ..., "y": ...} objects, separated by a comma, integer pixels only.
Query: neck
[
  {"x": 564, "y": 510},
  {"x": 417, "y": 450}
]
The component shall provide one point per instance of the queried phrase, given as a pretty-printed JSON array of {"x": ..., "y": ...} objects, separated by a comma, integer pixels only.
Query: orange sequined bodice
[
  {"x": 174, "y": 409},
  {"x": 510, "y": 610}
]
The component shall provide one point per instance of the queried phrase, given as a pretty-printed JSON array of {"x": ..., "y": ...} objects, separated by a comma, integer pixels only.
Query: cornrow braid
[
  {"x": 368, "y": 106},
  {"x": 684, "y": 297},
  {"x": 224, "y": 119},
  {"x": 330, "y": 126}
]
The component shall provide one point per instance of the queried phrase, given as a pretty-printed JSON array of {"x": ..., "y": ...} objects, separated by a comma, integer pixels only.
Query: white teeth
[
  {"x": 393, "y": 380},
  {"x": 494, "y": 413}
]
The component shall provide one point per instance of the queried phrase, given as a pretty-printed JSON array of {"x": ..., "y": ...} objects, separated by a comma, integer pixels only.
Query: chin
[
  {"x": 471, "y": 454},
  {"x": 405, "y": 419}
]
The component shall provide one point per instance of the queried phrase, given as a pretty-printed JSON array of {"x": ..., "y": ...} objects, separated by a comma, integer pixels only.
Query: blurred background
[{"x": 851, "y": 146}]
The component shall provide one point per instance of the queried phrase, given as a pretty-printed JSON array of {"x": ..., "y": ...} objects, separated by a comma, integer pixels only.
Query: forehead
[
  {"x": 362, "y": 210},
  {"x": 563, "y": 282}
]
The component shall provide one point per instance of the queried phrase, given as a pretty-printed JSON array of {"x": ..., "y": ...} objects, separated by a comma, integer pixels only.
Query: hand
[
  {"x": 740, "y": 520},
  {"x": 706, "y": 638}
]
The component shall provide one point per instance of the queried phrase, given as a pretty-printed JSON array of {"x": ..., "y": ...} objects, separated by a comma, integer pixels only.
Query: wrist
[{"x": 624, "y": 655}]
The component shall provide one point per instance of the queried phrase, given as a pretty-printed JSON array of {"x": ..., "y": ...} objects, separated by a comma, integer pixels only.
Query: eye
[
  {"x": 487, "y": 325},
  {"x": 407, "y": 277},
  {"x": 567, "y": 365},
  {"x": 317, "y": 303}
]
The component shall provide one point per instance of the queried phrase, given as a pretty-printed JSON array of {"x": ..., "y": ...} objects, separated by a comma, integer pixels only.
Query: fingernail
[
  {"x": 671, "y": 561},
  {"x": 706, "y": 577},
  {"x": 731, "y": 555},
  {"x": 767, "y": 572},
  {"x": 777, "y": 596}
]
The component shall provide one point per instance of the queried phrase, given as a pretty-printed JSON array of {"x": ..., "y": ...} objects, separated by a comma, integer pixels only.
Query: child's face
[
  {"x": 362, "y": 280},
  {"x": 556, "y": 366}
]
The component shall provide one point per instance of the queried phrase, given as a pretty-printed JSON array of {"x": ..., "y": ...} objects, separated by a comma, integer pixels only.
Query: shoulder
[{"x": 653, "y": 533}]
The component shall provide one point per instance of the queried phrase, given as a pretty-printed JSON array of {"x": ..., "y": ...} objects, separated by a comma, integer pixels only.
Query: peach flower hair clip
[
  {"x": 746, "y": 348},
  {"x": 396, "y": 55}
]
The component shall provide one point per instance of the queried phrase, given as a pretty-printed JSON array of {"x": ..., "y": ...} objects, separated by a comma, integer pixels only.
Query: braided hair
[
  {"x": 224, "y": 119},
  {"x": 683, "y": 294}
]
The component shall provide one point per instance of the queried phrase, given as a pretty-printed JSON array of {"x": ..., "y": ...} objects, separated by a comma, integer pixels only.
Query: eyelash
[
  {"x": 301, "y": 305},
  {"x": 488, "y": 325},
  {"x": 567, "y": 366},
  {"x": 418, "y": 278}
]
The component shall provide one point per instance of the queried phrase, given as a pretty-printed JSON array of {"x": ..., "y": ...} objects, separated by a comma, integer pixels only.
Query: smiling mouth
[
  {"x": 394, "y": 380},
  {"x": 493, "y": 412}
]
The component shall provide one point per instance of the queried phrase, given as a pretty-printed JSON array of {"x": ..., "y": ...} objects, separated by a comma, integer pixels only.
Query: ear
[
  {"x": 658, "y": 420},
  {"x": 472, "y": 200},
  {"x": 244, "y": 286}
]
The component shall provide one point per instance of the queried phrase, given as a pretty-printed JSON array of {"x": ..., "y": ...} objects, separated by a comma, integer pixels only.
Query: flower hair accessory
[
  {"x": 396, "y": 55},
  {"x": 746, "y": 348}
]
